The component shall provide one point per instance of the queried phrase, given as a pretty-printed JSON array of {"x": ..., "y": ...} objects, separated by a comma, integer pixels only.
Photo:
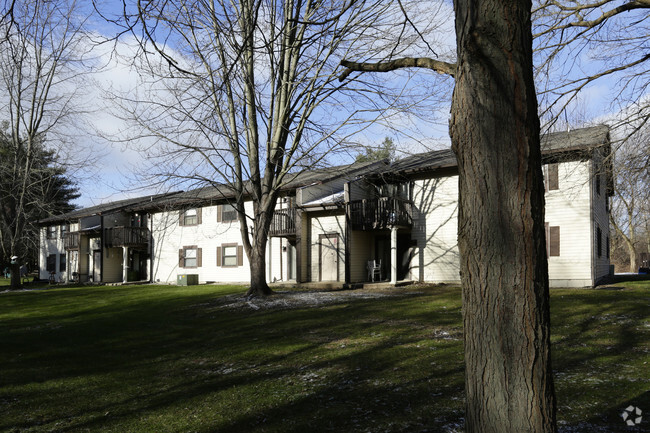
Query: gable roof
[
  {"x": 555, "y": 143},
  {"x": 102, "y": 209},
  {"x": 213, "y": 193}
]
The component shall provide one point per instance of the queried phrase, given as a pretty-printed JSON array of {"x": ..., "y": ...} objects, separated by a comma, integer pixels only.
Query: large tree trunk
[
  {"x": 259, "y": 286},
  {"x": 631, "y": 250},
  {"x": 495, "y": 134},
  {"x": 256, "y": 251}
]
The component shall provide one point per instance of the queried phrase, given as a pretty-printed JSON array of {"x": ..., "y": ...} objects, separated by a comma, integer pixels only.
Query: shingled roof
[
  {"x": 554, "y": 143},
  {"x": 103, "y": 209}
]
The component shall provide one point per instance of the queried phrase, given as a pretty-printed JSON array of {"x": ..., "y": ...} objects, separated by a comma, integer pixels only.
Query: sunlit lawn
[{"x": 167, "y": 358}]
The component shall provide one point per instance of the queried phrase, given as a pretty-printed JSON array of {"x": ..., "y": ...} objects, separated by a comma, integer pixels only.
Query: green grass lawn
[{"x": 167, "y": 358}]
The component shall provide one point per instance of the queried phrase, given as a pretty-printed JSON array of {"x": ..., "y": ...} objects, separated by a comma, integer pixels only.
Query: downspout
[
  {"x": 151, "y": 248},
  {"x": 348, "y": 242},
  {"x": 101, "y": 249},
  {"x": 592, "y": 221}
]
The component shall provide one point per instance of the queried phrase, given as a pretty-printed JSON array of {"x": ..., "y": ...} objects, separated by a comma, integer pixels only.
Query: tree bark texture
[
  {"x": 495, "y": 135},
  {"x": 256, "y": 250}
]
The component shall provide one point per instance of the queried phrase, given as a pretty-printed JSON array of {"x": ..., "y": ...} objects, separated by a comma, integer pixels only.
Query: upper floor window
[
  {"x": 551, "y": 177},
  {"x": 226, "y": 213},
  {"x": 190, "y": 217},
  {"x": 51, "y": 232},
  {"x": 64, "y": 230},
  {"x": 598, "y": 184}
]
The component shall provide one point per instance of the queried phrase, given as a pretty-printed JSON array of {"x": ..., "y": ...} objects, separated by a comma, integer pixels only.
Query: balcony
[
  {"x": 284, "y": 223},
  {"x": 135, "y": 237},
  {"x": 71, "y": 240},
  {"x": 380, "y": 213}
]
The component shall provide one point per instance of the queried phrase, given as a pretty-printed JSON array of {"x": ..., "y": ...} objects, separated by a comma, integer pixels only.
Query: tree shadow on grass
[{"x": 158, "y": 364}]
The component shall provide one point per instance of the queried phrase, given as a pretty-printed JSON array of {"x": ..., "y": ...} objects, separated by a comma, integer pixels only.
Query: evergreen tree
[{"x": 33, "y": 186}]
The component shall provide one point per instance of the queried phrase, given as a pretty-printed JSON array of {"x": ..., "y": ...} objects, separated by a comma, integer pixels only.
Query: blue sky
[{"x": 112, "y": 177}]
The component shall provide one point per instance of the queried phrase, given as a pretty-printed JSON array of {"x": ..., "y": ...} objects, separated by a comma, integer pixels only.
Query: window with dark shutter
[
  {"x": 190, "y": 217},
  {"x": 61, "y": 262},
  {"x": 51, "y": 263},
  {"x": 599, "y": 241},
  {"x": 226, "y": 213},
  {"x": 190, "y": 257},
  {"x": 552, "y": 240},
  {"x": 230, "y": 255},
  {"x": 552, "y": 178}
]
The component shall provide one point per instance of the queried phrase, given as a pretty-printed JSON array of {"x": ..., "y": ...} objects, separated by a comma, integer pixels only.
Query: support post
[
  {"x": 125, "y": 264},
  {"x": 393, "y": 255}
]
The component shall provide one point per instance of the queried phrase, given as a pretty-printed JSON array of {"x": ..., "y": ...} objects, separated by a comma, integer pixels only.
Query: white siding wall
[
  {"x": 169, "y": 237},
  {"x": 47, "y": 247},
  {"x": 569, "y": 208},
  {"x": 435, "y": 228}
]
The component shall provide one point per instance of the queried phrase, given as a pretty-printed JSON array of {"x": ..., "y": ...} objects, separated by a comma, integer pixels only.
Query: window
[
  {"x": 190, "y": 217},
  {"x": 51, "y": 232},
  {"x": 64, "y": 230},
  {"x": 598, "y": 184},
  {"x": 607, "y": 247},
  {"x": 51, "y": 263},
  {"x": 61, "y": 262},
  {"x": 189, "y": 257},
  {"x": 226, "y": 213},
  {"x": 599, "y": 241},
  {"x": 230, "y": 255},
  {"x": 551, "y": 177},
  {"x": 552, "y": 240}
]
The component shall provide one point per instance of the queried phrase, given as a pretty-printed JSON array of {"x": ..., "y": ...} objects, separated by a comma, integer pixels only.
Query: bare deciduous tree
[
  {"x": 585, "y": 43},
  {"x": 41, "y": 52},
  {"x": 509, "y": 386},
  {"x": 246, "y": 93},
  {"x": 630, "y": 212}
]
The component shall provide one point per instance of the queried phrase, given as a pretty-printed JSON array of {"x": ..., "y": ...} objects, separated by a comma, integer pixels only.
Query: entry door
[
  {"x": 329, "y": 257},
  {"x": 97, "y": 266},
  {"x": 291, "y": 261}
]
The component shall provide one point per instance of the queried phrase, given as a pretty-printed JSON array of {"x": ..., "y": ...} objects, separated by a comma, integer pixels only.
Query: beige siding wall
[
  {"x": 361, "y": 250},
  {"x": 327, "y": 224},
  {"x": 435, "y": 230}
]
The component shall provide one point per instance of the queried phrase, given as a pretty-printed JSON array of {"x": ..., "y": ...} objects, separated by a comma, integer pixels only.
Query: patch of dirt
[{"x": 307, "y": 299}]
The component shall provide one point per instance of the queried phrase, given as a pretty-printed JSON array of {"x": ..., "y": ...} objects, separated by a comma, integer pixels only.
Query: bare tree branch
[{"x": 392, "y": 65}]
